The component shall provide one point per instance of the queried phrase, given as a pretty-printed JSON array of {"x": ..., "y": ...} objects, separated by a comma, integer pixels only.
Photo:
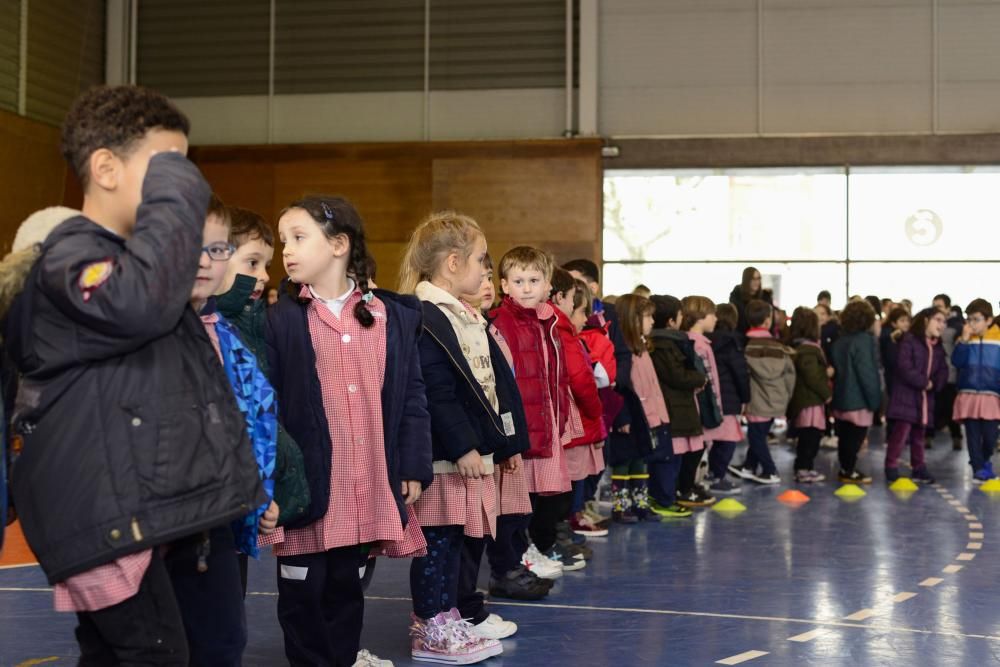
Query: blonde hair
[
  {"x": 439, "y": 235},
  {"x": 695, "y": 309},
  {"x": 525, "y": 257}
]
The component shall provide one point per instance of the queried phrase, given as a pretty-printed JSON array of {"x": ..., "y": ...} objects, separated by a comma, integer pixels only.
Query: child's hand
[
  {"x": 930, "y": 385},
  {"x": 511, "y": 465},
  {"x": 471, "y": 465},
  {"x": 830, "y": 371},
  {"x": 269, "y": 521},
  {"x": 966, "y": 333},
  {"x": 411, "y": 491},
  {"x": 626, "y": 429}
]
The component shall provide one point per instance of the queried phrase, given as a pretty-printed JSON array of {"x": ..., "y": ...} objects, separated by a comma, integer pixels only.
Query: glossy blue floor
[{"x": 884, "y": 580}]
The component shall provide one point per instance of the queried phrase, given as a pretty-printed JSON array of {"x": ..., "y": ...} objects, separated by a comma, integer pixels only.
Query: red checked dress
[
  {"x": 350, "y": 363},
  {"x": 512, "y": 487},
  {"x": 453, "y": 500}
]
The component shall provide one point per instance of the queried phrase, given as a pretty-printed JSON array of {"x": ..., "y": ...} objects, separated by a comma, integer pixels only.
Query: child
[
  {"x": 471, "y": 427},
  {"x": 345, "y": 363},
  {"x": 642, "y": 429},
  {"x": 897, "y": 324},
  {"x": 204, "y": 570},
  {"x": 675, "y": 359},
  {"x": 527, "y": 323},
  {"x": 509, "y": 578},
  {"x": 921, "y": 372},
  {"x": 772, "y": 381},
  {"x": 239, "y": 301},
  {"x": 806, "y": 411},
  {"x": 103, "y": 334},
  {"x": 857, "y": 393},
  {"x": 734, "y": 389},
  {"x": 977, "y": 358},
  {"x": 586, "y": 410}
]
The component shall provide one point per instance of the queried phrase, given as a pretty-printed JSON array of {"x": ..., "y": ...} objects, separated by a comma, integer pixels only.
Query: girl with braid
[{"x": 345, "y": 364}]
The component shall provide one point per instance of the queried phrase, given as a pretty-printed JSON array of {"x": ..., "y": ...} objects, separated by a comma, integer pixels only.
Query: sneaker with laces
[
  {"x": 766, "y": 479},
  {"x": 692, "y": 499},
  {"x": 494, "y": 627},
  {"x": 740, "y": 471},
  {"x": 891, "y": 474},
  {"x": 369, "y": 659},
  {"x": 808, "y": 476},
  {"x": 593, "y": 510},
  {"x": 922, "y": 475},
  {"x": 444, "y": 640},
  {"x": 671, "y": 511},
  {"x": 542, "y": 566},
  {"x": 519, "y": 584}
]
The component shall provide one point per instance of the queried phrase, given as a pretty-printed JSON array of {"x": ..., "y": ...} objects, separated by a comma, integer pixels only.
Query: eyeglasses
[
  {"x": 219, "y": 252},
  {"x": 976, "y": 319}
]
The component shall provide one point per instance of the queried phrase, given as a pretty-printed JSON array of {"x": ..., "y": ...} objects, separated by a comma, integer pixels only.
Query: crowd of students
[{"x": 334, "y": 421}]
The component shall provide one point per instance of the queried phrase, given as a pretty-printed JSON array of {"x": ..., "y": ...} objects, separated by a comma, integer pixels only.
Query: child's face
[
  {"x": 487, "y": 291},
  {"x": 469, "y": 273},
  {"x": 903, "y": 324},
  {"x": 708, "y": 323},
  {"x": 564, "y": 301},
  {"x": 935, "y": 325},
  {"x": 579, "y": 318},
  {"x": 253, "y": 258},
  {"x": 823, "y": 315},
  {"x": 527, "y": 287},
  {"x": 307, "y": 253},
  {"x": 647, "y": 323},
  {"x": 594, "y": 287},
  {"x": 124, "y": 175},
  {"x": 210, "y": 272}
]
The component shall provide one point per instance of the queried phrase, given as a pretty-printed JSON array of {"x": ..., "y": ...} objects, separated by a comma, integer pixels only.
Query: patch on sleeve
[{"x": 93, "y": 276}]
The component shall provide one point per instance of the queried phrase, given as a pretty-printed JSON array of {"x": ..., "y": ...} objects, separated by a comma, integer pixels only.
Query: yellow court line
[
  {"x": 903, "y": 597},
  {"x": 951, "y": 569},
  {"x": 808, "y": 636},
  {"x": 975, "y": 526},
  {"x": 975, "y": 536},
  {"x": 931, "y": 581},
  {"x": 740, "y": 658},
  {"x": 965, "y": 556}
]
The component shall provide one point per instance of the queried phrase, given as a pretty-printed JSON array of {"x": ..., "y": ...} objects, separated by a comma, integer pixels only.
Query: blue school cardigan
[{"x": 406, "y": 421}]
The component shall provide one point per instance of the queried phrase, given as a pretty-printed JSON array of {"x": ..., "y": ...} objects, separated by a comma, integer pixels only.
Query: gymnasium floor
[{"x": 884, "y": 580}]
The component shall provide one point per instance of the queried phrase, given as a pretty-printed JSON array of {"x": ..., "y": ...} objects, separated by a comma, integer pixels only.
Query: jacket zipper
[
  {"x": 555, "y": 348},
  {"x": 458, "y": 367}
]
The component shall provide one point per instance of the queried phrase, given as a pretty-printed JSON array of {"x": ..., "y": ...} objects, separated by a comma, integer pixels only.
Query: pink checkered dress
[
  {"x": 453, "y": 500},
  {"x": 512, "y": 488},
  {"x": 350, "y": 362}
]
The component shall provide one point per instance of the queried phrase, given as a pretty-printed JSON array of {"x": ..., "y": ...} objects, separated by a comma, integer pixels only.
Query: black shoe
[
  {"x": 567, "y": 548},
  {"x": 922, "y": 475},
  {"x": 539, "y": 581},
  {"x": 854, "y": 477},
  {"x": 956, "y": 444},
  {"x": 516, "y": 585}
]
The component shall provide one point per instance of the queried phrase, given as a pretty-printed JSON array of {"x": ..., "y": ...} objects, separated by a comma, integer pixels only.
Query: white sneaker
[
  {"x": 766, "y": 479},
  {"x": 494, "y": 627},
  {"x": 541, "y": 565},
  {"x": 367, "y": 659},
  {"x": 444, "y": 640}
]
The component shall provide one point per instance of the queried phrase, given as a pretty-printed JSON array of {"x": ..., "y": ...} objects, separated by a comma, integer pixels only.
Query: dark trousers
[
  {"x": 434, "y": 577},
  {"x": 719, "y": 457},
  {"x": 146, "y": 629},
  {"x": 850, "y": 437},
  {"x": 981, "y": 436},
  {"x": 689, "y": 470},
  {"x": 547, "y": 512},
  {"x": 505, "y": 550},
  {"x": 807, "y": 448},
  {"x": 943, "y": 410},
  {"x": 663, "y": 479},
  {"x": 578, "y": 496},
  {"x": 758, "y": 452},
  {"x": 471, "y": 603},
  {"x": 590, "y": 487},
  {"x": 211, "y": 602},
  {"x": 321, "y": 607}
]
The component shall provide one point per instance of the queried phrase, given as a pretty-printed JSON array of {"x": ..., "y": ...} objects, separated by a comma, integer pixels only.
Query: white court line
[
  {"x": 975, "y": 526},
  {"x": 974, "y": 546},
  {"x": 860, "y": 615},
  {"x": 903, "y": 597},
  {"x": 971, "y": 517},
  {"x": 951, "y": 569},
  {"x": 931, "y": 581},
  {"x": 808, "y": 636},
  {"x": 965, "y": 556},
  {"x": 15, "y": 589},
  {"x": 955, "y": 501},
  {"x": 742, "y": 657},
  {"x": 964, "y": 510},
  {"x": 976, "y": 536}
]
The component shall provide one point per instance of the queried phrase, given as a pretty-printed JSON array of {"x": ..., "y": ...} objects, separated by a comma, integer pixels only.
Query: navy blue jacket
[
  {"x": 734, "y": 376},
  {"x": 451, "y": 383},
  {"x": 406, "y": 422}
]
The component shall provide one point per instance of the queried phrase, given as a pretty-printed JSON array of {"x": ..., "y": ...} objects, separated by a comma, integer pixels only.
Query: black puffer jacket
[
  {"x": 734, "y": 377},
  {"x": 132, "y": 436}
]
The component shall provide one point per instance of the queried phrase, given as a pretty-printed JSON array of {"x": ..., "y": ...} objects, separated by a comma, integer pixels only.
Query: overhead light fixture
[{"x": 610, "y": 151}]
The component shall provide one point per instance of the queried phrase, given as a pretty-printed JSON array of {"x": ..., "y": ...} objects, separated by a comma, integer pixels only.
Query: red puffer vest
[
  {"x": 581, "y": 387},
  {"x": 526, "y": 331}
]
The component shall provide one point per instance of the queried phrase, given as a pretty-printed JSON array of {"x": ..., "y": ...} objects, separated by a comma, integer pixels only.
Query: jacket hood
[
  {"x": 767, "y": 360},
  {"x": 32, "y": 233}
]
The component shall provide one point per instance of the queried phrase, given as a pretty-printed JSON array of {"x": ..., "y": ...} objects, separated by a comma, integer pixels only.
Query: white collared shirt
[{"x": 336, "y": 306}]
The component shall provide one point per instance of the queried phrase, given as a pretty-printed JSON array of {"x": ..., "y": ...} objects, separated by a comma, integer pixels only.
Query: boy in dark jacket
[{"x": 103, "y": 334}]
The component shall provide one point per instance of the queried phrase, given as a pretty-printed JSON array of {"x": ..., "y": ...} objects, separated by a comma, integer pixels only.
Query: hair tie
[
  {"x": 327, "y": 213},
  {"x": 368, "y": 296}
]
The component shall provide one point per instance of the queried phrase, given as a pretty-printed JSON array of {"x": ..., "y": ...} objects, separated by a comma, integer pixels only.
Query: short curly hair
[
  {"x": 249, "y": 226},
  {"x": 114, "y": 117},
  {"x": 857, "y": 316}
]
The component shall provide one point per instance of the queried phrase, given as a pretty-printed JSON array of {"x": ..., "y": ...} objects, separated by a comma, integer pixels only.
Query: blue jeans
[
  {"x": 982, "y": 440},
  {"x": 758, "y": 452}
]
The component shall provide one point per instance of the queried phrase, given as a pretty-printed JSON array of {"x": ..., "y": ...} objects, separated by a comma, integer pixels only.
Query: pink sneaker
[{"x": 444, "y": 640}]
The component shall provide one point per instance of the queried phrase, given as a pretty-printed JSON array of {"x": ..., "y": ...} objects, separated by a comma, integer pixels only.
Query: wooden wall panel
[
  {"x": 32, "y": 172},
  {"x": 546, "y": 193}
]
